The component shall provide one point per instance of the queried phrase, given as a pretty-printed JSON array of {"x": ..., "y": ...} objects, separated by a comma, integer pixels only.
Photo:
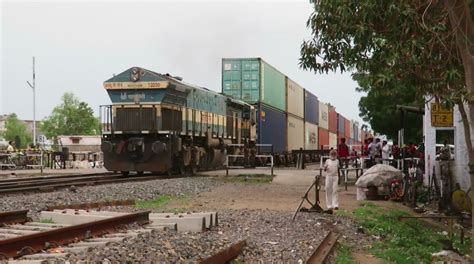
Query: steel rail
[
  {"x": 45, "y": 181},
  {"x": 86, "y": 181},
  {"x": 32, "y": 243},
  {"x": 225, "y": 255},
  {"x": 13, "y": 217},
  {"x": 35, "y": 178},
  {"x": 324, "y": 248}
]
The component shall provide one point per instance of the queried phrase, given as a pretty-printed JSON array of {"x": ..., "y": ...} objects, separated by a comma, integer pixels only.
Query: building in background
[{"x": 79, "y": 143}]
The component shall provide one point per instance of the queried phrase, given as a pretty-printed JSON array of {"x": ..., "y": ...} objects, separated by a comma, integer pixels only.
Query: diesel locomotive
[{"x": 159, "y": 123}]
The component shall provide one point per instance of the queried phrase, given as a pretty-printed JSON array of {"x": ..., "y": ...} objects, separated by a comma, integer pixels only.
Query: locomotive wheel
[
  {"x": 125, "y": 173},
  {"x": 182, "y": 169},
  {"x": 193, "y": 169}
]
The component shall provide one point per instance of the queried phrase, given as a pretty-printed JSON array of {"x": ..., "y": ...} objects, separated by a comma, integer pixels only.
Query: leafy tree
[
  {"x": 382, "y": 113},
  {"x": 71, "y": 117},
  {"x": 15, "y": 129},
  {"x": 426, "y": 45}
]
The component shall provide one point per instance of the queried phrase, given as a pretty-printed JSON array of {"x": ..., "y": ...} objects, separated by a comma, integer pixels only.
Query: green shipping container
[{"x": 253, "y": 80}]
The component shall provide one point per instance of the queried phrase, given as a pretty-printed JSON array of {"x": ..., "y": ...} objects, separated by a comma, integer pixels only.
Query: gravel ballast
[
  {"x": 271, "y": 238},
  {"x": 35, "y": 202}
]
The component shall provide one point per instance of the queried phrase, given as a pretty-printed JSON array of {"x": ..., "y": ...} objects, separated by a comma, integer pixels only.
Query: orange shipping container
[
  {"x": 347, "y": 129},
  {"x": 323, "y": 137},
  {"x": 333, "y": 121}
]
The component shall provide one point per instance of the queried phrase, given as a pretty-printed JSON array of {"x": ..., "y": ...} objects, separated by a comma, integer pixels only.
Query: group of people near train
[{"x": 378, "y": 152}]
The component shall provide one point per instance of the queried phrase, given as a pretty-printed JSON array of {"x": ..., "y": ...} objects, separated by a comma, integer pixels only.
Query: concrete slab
[
  {"x": 125, "y": 235},
  {"x": 45, "y": 224},
  {"x": 90, "y": 212},
  {"x": 211, "y": 217},
  {"x": 142, "y": 230},
  {"x": 32, "y": 228},
  {"x": 30, "y": 261},
  {"x": 6, "y": 236},
  {"x": 163, "y": 226},
  {"x": 45, "y": 256},
  {"x": 16, "y": 231},
  {"x": 107, "y": 239},
  {"x": 71, "y": 219},
  {"x": 188, "y": 224}
]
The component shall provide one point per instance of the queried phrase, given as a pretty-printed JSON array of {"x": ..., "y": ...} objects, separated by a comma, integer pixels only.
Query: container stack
[
  {"x": 256, "y": 82},
  {"x": 289, "y": 116}
]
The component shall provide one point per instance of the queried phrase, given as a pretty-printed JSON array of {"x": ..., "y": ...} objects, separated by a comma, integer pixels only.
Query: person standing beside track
[
  {"x": 343, "y": 154},
  {"x": 10, "y": 147},
  {"x": 331, "y": 167},
  {"x": 385, "y": 153}
]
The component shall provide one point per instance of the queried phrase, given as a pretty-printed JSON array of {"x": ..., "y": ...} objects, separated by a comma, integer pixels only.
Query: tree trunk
[{"x": 461, "y": 22}]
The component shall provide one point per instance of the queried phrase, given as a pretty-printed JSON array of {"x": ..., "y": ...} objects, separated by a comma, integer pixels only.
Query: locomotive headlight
[
  {"x": 158, "y": 147},
  {"x": 106, "y": 146}
]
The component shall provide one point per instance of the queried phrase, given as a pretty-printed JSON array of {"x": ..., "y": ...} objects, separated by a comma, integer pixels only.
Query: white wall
[{"x": 460, "y": 170}]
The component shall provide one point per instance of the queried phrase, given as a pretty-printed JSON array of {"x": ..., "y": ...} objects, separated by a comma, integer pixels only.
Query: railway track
[
  {"x": 50, "y": 183},
  {"x": 230, "y": 253},
  {"x": 325, "y": 247},
  {"x": 76, "y": 230},
  {"x": 73, "y": 231}
]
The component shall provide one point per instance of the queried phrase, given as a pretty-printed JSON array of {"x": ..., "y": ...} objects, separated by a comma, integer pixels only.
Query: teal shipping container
[{"x": 253, "y": 80}]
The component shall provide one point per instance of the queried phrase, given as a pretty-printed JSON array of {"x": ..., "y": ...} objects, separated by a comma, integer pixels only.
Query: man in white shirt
[
  {"x": 385, "y": 152},
  {"x": 331, "y": 167},
  {"x": 10, "y": 147}
]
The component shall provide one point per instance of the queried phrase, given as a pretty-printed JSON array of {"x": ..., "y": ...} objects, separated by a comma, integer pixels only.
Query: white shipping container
[
  {"x": 356, "y": 132},
  {"x": 295, "y": 130},
  {"x": 332, "y": 140},
  {"x": 351, "y": 129},
  {"x": 310, "y": 136},
  {"x": 294, "y": 98},
  {"x": 323, "y": 115}
]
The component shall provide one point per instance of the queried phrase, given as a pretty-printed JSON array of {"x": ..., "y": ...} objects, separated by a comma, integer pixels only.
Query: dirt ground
[{"x": 283, "y": 194}]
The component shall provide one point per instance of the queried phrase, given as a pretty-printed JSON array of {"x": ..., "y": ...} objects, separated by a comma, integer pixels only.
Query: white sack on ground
[
  {"x": 361, "y": 194},
  {"x": 378, "y": 175}
]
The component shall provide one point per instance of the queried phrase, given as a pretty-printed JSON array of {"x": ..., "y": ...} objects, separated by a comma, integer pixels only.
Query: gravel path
[
  {"x": 271, "y": 238},
  {"x": 35, "y": 202}
]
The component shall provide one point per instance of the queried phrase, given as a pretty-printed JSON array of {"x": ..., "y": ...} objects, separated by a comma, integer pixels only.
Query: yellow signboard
[
  {"x": 136, "y": 85},
  {"x": 441, "y": 116}
]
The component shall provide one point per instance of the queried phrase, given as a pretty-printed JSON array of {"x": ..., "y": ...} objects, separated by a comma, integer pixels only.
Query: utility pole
[{"x": 34, "y": 102}]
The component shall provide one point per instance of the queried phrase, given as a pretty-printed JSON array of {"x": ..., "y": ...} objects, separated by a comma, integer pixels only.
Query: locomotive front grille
[{"x": 135, "y": 119}]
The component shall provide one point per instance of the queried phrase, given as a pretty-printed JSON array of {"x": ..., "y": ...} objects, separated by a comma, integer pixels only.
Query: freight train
[{"x": 159, "y": 123}]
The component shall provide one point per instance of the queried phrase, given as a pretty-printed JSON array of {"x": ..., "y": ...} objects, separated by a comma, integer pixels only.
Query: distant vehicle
[{"x": 440, "y": 146}]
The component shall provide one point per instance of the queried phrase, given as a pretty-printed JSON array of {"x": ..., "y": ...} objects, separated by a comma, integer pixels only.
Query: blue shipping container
[
  {"x": 311, "y": 107},
  {"x": 340, "y": 124},
  {"x": 271, "y": 127}
]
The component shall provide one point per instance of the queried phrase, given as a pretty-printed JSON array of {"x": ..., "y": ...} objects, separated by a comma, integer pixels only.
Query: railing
[
  {"x": 243, "y": 156},
  {"x": 53, "y": 159},
  {"x": 115, "y": 118}
]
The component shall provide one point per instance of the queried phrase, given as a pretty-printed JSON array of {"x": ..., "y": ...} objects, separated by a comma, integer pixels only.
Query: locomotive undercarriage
[{"x": 169, "y": 153}]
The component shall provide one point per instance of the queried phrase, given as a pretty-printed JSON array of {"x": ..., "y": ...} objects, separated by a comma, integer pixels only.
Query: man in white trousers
[{"x": 331, "y": 168}]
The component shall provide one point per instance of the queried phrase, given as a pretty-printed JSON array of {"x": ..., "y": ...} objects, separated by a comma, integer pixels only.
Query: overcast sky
[{"x": 78, "y": 45}]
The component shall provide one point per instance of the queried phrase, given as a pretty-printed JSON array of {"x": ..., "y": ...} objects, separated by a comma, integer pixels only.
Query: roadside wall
[{"x": 460, "y": 170}]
